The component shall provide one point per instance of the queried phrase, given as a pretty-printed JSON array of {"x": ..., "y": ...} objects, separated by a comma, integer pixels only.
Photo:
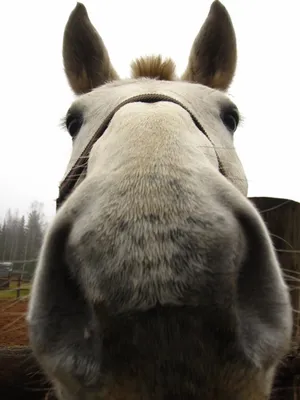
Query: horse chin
[{"x": 178, "y": 347}]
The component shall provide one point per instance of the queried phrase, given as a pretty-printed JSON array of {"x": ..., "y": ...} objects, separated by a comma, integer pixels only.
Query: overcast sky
[{"x": 35, "y": 94}]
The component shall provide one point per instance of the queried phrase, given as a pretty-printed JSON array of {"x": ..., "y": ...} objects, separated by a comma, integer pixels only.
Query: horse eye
[
  {"x": 231, "y": 119},
  {"x": 74, "y": 123}
]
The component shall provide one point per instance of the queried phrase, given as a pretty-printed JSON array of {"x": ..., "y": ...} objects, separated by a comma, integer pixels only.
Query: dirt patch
[{"x": 13, "y": 328}]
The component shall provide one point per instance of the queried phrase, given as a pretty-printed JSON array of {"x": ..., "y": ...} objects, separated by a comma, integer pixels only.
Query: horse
[{"x": 157, "y": 278}]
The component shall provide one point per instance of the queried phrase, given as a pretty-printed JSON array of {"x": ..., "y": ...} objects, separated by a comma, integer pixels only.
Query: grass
[{"x": 11, "y": 293}]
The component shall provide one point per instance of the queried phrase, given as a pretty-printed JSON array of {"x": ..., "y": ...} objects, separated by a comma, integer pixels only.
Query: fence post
[{"x": 18, "y": 286}]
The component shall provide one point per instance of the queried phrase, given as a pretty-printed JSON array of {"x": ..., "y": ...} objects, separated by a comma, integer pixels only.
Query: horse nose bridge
[{"x": 175, "y": 115}]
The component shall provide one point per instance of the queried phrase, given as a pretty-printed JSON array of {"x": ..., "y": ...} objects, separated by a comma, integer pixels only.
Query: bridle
[{"x": 78, "y": 171}]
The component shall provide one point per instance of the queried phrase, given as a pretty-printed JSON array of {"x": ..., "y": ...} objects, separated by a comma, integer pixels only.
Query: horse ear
[
  {"x": 213, "y": 57},
  {"x": 86, "y": 60}
]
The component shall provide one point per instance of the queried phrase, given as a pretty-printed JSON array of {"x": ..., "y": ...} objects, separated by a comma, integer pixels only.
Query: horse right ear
[
  {"x": 86, "y": 60},
  {"x": 213, "y": 56}
]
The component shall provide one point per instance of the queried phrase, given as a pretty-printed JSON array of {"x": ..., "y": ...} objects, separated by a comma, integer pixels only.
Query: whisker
[
  {"x": 281, "y": 238},
  {"x": 275, "y": 207},
  {"x": 288, "y": 251},
  {"x": 291, "y": 270},
  {"x": 291, "y": 278}
]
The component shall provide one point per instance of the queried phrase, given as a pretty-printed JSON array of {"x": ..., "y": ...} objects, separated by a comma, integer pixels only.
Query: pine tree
[
  {"x": 34, "y": 235},
  {"x": 21, "y": 234},
  {"x": 21, "y": 238}
]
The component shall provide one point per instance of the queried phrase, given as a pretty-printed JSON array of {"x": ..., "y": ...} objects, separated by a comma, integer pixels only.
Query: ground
[{"x": 13, "y": 329}]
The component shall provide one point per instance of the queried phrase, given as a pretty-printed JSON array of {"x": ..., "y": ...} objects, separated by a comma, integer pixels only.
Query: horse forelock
[{"x": 153, "y": 67}]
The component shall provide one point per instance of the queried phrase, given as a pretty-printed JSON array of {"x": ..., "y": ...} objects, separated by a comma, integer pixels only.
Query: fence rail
[
  {"x": 19, "y": 285},
  {"x": 19, "y": 261},
  {"x": 14, "y": 278}
]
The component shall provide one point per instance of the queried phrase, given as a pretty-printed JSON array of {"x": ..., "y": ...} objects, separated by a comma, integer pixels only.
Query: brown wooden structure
[{"x": 282, "y": 217}]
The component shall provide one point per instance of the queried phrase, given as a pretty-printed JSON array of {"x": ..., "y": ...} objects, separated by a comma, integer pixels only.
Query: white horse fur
[{"x": 157, "y": 278}]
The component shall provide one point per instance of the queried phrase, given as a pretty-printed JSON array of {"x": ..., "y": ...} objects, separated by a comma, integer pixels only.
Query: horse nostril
[
  {"x": 54, "y": 291},
  {"x": 57, "y": 240},
  {"x": 64, "y": 332}
]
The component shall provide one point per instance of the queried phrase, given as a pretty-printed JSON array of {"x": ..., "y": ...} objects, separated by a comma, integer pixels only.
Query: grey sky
[{"x": 35, "y": 93}]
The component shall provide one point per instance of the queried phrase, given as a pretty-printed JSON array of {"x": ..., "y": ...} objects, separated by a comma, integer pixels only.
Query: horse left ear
[
  {"x": 213, "y": 56},
  {"x": 86, "y": 60}
]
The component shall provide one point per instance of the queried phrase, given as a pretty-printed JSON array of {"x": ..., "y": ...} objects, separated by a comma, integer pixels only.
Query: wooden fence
[{"x": 16, "y": 284}]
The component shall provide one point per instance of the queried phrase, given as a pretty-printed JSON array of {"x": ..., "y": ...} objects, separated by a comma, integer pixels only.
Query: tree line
[{"x": 21, "y": 236}]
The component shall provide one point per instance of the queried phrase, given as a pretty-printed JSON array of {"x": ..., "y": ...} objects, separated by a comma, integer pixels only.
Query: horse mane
[{"x": 153, "y": 67}]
